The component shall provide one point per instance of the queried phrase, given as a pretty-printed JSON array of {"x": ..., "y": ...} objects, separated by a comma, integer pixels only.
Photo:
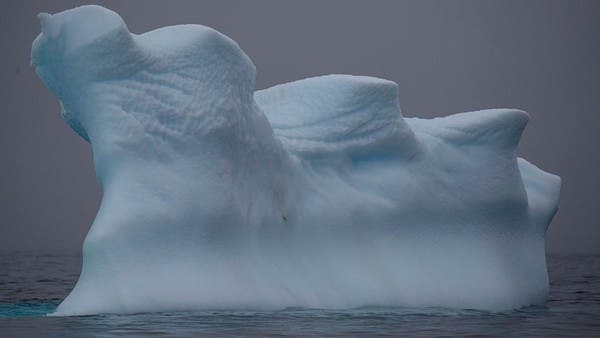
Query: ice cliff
[{"x": 315, "y": 193}]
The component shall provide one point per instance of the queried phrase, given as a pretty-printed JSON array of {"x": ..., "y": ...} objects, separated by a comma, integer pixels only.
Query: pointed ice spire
[{"x": 50, "y": 25}]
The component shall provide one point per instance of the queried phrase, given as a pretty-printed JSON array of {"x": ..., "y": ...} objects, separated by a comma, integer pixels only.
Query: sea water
[{"x": 33, "y": 283}]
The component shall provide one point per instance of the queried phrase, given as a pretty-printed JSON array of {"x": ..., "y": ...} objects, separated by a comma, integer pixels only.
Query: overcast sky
[{"x": 446, "y": 56}]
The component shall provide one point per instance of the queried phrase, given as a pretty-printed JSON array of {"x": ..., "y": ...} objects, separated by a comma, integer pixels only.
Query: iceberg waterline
[{"x": 316, "y": 193}]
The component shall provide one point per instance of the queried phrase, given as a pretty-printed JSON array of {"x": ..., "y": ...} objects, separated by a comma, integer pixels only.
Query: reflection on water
[{"x": 31, "y": 285}]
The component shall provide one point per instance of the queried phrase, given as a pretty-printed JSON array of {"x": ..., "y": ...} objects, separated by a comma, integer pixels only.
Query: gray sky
[{"x": 447, "y": 57}]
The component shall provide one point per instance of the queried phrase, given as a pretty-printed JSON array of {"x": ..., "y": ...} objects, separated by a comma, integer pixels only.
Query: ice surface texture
[{"x": 315, "y": 193}]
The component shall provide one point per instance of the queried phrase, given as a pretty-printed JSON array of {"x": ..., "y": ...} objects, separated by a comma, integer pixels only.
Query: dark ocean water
[{"x": 32, "y": 285}]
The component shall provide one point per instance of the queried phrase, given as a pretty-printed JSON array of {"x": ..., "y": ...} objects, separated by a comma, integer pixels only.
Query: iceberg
[{"x": 316, "y": 193}]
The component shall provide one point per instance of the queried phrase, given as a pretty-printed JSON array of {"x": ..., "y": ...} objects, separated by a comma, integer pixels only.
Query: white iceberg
[{"x": 315, "y": 193}]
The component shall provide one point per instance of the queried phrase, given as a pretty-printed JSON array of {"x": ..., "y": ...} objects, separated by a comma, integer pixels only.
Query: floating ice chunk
[{"x": 315, "y": 193}]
